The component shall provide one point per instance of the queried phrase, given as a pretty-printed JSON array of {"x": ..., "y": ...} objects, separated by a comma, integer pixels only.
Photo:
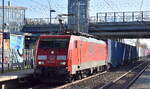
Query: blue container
[
  {"x": 120, "y": 53},
  {"x": 126, "y": 54},
  {"x": 115, "y": 53},
  {"x": 134, "y": 53}
]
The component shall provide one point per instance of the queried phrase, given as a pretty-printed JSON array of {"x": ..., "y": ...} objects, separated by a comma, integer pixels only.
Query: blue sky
[{"x": 40, "y": 8}]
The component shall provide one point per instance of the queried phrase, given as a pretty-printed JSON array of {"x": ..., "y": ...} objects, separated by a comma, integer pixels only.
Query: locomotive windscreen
[{"x": 56, "y": 43}]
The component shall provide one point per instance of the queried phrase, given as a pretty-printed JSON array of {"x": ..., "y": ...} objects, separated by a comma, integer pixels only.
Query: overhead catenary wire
[
  {"x": 49, "y": 3},
  {"x": 37, "y": 9},
  {"x": 141, "y": 5},
  {"x": 46, "y": 8},
  {"x": 34, "y": 8},
  {"x": 42, "y": 7},
  {"x": 116, "y": 6},
  {"x": 109, "y": 4},
  {"x": 58, "y": 6}
]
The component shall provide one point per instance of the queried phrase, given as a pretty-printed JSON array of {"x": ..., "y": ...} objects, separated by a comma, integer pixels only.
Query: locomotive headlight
[
  {"x": 42, "y": 57},
  {"x": 61, "y": 57},
  {"x": 63, "y": 63},
  {"x": 40, "y": 62}
]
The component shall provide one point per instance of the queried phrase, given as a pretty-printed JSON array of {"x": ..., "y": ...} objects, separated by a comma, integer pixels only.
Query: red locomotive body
[{"x": 69, "y": 55}]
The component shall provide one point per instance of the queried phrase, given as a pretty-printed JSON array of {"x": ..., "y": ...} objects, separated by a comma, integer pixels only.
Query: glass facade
[
  {"x": 13, "y": 18},
  {"x": 79, "y": 8}
]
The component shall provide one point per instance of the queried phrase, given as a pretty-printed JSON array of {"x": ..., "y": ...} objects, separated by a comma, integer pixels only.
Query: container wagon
[{"x": 120, "y": 53}]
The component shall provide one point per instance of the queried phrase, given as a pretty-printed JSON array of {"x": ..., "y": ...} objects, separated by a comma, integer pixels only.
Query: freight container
[
  {"x": 126, "y": 54},
  {"x": 134, "y": 53},
  {"x": 120, "y": 53},
  {"x": 115, "y": 53}
]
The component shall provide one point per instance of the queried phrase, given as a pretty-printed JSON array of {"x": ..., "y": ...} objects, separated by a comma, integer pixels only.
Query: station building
[
  {"x": 14, "y": 42},
  {"x": 14, "y": 18}
]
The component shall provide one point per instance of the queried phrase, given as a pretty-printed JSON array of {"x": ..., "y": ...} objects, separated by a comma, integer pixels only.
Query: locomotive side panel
[
  {"x": 92, "y": 55},
  {"x": 89, "y": 53},
  {"x": 73, "y": 54}
]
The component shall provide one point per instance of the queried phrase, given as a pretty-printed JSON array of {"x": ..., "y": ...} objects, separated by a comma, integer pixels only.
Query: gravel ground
[{"x": 123, "y": 82}]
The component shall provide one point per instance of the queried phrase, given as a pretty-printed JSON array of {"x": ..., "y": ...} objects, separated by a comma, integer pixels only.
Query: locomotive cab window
[{"x": 53, "y": 43}]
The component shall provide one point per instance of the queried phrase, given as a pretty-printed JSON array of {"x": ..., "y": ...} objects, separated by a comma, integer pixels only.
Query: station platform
[
  {"x": 143, "y": 82},
  {"x": 15, "y": 75}
]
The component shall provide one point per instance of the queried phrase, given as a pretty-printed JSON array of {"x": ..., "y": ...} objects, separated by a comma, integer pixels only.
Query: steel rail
[
  {"x": 135, "y": 78},
  {"x": 78, "y": 81},
  {"x": 114, "y": 81}
]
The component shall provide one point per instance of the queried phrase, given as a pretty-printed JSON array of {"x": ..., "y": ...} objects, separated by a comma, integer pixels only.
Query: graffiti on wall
[{"x": 16, "y": 49}]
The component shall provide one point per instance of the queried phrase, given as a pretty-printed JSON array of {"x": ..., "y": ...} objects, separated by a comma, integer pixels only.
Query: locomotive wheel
[
  {"x": 89, "y": 73},
  {"x": 79, "y": 76},
  {"x": 71, "y": 78},
  {"x": 108, "y": 67}
]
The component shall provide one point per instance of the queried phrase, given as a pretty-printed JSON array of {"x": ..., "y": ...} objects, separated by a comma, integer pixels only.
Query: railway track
[
  {"x": 60, "y": 86},
  {"x": 104, "y": 80},
  {"x": 41, "y": 86},
  {"x": 79, "y": 81},
  {"x": 108, "y": 80},
  {"x": 127, "y": 79}
]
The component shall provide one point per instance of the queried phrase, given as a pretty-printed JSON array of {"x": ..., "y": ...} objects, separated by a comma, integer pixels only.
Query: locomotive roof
[
  {"x": 89, "y": 39},
  {"x": 46, "y": 36}
]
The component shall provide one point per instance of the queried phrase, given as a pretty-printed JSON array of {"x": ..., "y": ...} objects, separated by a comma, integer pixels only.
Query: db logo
[{"x": 52, "y": 52}]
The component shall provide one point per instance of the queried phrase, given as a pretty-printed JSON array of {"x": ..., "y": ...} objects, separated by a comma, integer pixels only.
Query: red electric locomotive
[{"x": 69, "y": 56}]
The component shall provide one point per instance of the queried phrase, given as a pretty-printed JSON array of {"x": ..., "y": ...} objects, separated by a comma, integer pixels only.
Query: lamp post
[
  {"x": 51, "y": 10},
  {"x": 3, "y": 37},
  {"x": 51, "y": 14}
]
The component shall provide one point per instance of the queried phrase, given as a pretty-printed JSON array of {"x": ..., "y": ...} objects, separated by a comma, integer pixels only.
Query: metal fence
[
  {"x": 13, "y": 61},
  {"x": 101, "y": 17},
  {"x": 137, "y": 16},
  {"x": 44, "y": 21}
]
